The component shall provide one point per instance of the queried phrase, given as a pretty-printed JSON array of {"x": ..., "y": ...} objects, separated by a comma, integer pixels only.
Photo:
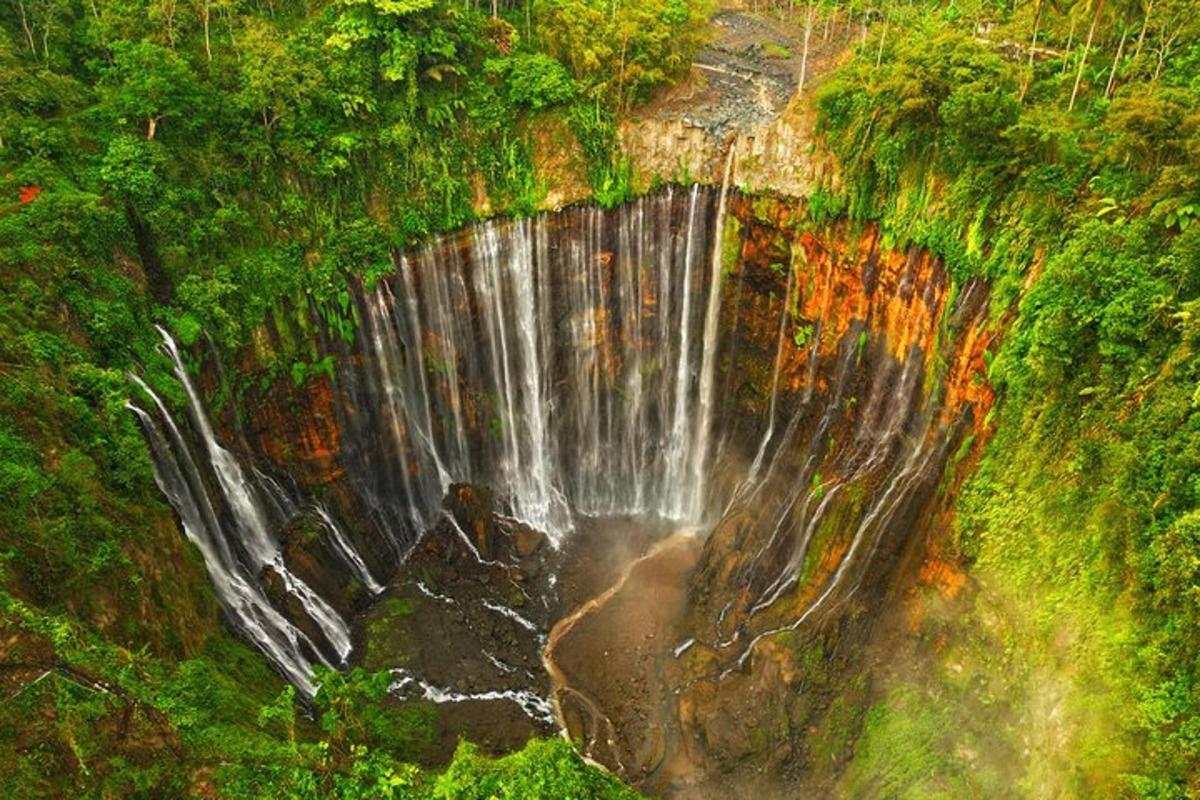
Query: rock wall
[
  {"x": 881, "y": 403},
  {"x": 848, "y": 383},
  {"x": 852, "y": 389}
]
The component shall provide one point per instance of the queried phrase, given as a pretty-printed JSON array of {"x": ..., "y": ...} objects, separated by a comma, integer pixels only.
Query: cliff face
[
  {"x": 877, "y": 362},
  {"x": 803, "y": 392},
  {"x": 847, "y": 357},
  {"x": 743, "y": 93}
]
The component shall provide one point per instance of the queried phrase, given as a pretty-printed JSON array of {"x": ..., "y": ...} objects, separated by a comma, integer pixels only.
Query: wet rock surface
[
  {"x": 463, "y": 626},
  {"x": 623, "y": 711},
  {"x": 848, "y": 371},
  {"x": 845, "y": 373},
  {"x": 465, "y": 622}
]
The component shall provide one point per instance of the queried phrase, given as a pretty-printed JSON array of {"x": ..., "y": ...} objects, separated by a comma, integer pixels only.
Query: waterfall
[
  {"x": 573, "y": 362},
  {"x": 256, "y": 538},
  {"x": 346, "y": 551},
  {"x": 700, "y": 446},
  {"x": 244, "y": 602},
  {"x": 237, "y": 551},
  {"x": 681, "y": 418},
  {"x": 560, "y": 359}
]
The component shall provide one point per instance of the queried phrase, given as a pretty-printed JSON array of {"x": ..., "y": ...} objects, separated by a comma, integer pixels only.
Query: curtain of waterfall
[{"x": 571, "y": 361}]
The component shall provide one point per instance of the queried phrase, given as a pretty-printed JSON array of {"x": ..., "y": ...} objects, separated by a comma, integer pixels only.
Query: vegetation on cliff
[{"x": 1067, "y": 176}]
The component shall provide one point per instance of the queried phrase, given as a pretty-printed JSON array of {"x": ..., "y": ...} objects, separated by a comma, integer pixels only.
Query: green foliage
[
  {"x": 609, "y": 173},
  {"x": 534, "y": 80},
  {"x": 548, "y": 769},
  {"x": 924, "y": 767},
  {"x": 621, "y": 49},
  {"x": 147, "y": 84},
  {"x": 1080, "y": 517}
]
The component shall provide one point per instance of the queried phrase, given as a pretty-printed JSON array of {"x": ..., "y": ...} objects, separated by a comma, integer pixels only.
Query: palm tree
[
  {"x": 1039, "y": 8},
  {"x": 1097, "y": 8},
  {"x": 1127, "y": 11}
]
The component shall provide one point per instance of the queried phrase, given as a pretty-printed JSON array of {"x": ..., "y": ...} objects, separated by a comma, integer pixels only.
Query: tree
[
  {"x": 808, "y": 26},
  {"x": 1097, "y": 8},
  {"x": 40, "y": 20},
  {"x": 276, "y": 81},
  {"x": 130, "y": 174},
  {"x": 1039, "y": 8},
  {"x": 621, "y": 49},
  {"x": 151, "y": 83}
]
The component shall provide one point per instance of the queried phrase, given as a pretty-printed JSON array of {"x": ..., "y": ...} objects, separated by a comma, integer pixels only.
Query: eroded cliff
[{"x": 789, "y": 397}]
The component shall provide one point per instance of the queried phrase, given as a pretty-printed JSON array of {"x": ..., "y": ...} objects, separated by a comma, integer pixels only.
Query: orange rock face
[
  {"x": 297, "y": 429},
  {"x": 840, "y": 276},
  {"x": 778, "y": 583}
]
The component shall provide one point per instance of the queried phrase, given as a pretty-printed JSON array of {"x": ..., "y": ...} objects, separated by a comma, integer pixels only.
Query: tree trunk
[
  {"x": 207, "y": 40},
  {"x": 808, "y": 26},
  {"x": 1037, "y": 23},
  {"x": 232, "y": 38},
  {"x": 1083, "y": 58},
  {"x": 882, "y": 38},
  {"x": 1112, "y": 73},
  {"x": 151, "y": 127},
  {"x": 621, "y": 74},
  {"x": 1163, "y": 51},
  {"x": 169, "y": 19},
  {"x": 1070, "y": 38},
  {"x": 25, "y": 28},
  {"x": 1137, "y": 51}
]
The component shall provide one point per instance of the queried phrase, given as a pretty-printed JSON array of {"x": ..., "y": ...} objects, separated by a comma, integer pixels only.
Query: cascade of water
[
  {"x": 388, "y": 371},
  {"x": 415, "y": 397},
  {"x": 440, "y": 293},
  {"x": 700, "y": 445},
  {"x": 332, "y": 626},
  {"x": 630, "y": 432},
  {"x": 751, "y": 479},
  {"x": 211, "y": 527},
  {"x": 256, "y": 536},
  {"x": 286, "y": 507},
  {"x": 244, "y": 602},
  {"x": 572, "y": 363},
  {"x": 281, "y": 501},
  {"x": 899, "y": 488},
  {"x": 559, "y": 359},
  {"x": 533, "y": 705},
  {"x": 250, "y": 534},
  {"x": 680, "y": 439},
  {"x": 541, "y": 504},
  {"x": 508, "y": 298},
  {"x": 346, "y": 551}
]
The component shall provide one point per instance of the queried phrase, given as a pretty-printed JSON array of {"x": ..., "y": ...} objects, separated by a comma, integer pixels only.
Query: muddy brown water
[{"x": 608, "y": 658}]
